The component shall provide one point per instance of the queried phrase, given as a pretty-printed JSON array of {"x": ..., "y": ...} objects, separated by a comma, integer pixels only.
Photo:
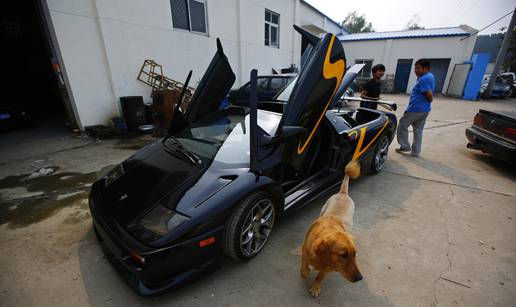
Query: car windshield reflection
[{"x": 224, "y": 136}]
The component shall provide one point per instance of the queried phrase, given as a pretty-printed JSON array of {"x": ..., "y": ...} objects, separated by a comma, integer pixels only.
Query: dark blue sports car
[{"x": 222, "y": 178}]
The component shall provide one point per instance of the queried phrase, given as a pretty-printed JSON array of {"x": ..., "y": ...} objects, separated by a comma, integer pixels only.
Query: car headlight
[
  {"x": 507, "y": 88},
  {"x": 114, "y": 174},
  {"x": 161, "y": 220}
]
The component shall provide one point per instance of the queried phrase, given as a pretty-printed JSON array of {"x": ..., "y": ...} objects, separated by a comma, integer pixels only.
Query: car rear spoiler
[{"x": 389, "y": 105}]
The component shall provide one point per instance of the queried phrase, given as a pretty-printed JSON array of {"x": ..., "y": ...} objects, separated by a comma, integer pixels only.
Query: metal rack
[{"x": 151, "y": 73}]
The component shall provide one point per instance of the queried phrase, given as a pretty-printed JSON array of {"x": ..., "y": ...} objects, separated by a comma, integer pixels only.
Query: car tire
[
  {"x": 380, "y": 154},
  {"x": 249, "y": 226}
]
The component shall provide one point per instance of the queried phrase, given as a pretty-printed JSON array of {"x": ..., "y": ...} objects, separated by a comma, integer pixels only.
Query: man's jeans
[{"x": 417, "y": 121}]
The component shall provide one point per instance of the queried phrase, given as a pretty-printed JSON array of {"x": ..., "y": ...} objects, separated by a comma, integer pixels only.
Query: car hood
[
  {"x": 156, "y": 175},
  {"x": 152, "y": 174}
]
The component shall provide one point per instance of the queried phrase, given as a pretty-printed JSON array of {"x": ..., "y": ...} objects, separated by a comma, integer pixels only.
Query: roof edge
[
  {"x": 325, "y": 16},
  {"x": 468, "y": 29},
  {"x": 462, "y": 27},
  {"x": 342, "y": 38}
]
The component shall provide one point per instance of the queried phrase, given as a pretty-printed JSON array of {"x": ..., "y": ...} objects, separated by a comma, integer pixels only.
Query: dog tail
[{"x": 352, "y": 171}]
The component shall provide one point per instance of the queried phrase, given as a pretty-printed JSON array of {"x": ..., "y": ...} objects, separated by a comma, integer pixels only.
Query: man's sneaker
[
  {"x": 402, "y": 150},
  {"x": 414, "y": 154}
]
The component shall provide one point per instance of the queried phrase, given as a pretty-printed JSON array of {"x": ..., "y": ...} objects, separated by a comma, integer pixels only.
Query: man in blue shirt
[{"x": 418, "y": 108}]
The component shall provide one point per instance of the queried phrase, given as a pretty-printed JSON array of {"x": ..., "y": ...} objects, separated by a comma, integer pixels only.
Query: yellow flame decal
[
  {"x": 359, "y": 151},
  {"x": 330, "y": 70}
]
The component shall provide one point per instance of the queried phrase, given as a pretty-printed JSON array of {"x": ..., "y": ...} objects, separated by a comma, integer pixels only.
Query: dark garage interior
[{"x": 33, "y": 100}]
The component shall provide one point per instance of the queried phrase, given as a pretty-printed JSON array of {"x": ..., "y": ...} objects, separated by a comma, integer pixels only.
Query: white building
[
  {"x": 101, "y": 44},
  {"x": 399, "y": 50}
]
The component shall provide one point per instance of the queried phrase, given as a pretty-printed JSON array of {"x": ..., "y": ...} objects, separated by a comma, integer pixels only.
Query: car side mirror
[{"x": 290, "y": 132}]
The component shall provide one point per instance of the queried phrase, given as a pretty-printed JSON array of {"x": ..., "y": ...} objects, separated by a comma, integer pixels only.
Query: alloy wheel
[
  {"x": 381, "y": 154},
  {"x": 257, "y": 227}
]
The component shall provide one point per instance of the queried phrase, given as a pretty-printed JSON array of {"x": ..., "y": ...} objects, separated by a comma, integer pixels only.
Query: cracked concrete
[
  {"x": 434, "y": 231},
  {"x": 445, "y": 222}
]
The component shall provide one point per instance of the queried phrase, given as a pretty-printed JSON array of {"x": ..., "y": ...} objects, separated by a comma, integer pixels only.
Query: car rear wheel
[
  {"x": 249, "y": 226},
  {"x": 381, "y": 152}
]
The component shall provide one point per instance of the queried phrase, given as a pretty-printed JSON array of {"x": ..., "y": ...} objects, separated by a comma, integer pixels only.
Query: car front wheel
[
  {"x": 380, "y": 154},
  {"x": 249, "y": 226}
]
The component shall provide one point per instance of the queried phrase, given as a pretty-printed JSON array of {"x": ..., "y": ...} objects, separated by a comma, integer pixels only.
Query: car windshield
[
  {"x": 284, "y": 95},
  {"x": 506, "y": 78},
  {"x": 498, "y": 81},
  {"x": 224, "y": 136},
  {"x": 501, "y": 80}
]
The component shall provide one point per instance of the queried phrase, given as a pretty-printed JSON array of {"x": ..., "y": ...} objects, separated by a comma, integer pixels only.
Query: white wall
[
  {"x": 389, "y": 51},
  {"x": 104, "y": 42},
  {"x": 77, "y": 31}
]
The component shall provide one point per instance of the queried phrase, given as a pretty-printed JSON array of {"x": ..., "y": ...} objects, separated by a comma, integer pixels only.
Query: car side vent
[{"x": 229, "y": 177}]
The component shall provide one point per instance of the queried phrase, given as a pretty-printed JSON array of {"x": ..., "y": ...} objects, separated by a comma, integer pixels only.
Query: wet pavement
[{"x": 27, "y": 200}]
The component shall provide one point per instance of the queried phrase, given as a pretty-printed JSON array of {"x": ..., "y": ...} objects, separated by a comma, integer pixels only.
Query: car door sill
[{"x": 304, "y": 190}]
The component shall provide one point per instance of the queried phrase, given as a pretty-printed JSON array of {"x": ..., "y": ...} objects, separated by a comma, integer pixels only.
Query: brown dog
[{"x": 328, "y": 246}]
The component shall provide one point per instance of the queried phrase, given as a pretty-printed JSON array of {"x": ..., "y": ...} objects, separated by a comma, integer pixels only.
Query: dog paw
[
  {"x": 304, "y": 273},
  {"x": 315, "y": 290}
]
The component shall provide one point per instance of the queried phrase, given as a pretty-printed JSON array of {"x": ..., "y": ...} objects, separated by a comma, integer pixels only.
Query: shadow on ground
[
  {"x": 453, "y": 174},
  {"x": 273, "y": 276},
  {"x": 503, "y": 167}
]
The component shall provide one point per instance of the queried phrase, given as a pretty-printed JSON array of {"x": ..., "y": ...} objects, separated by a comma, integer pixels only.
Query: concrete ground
[{"x": 431, "y": 231}]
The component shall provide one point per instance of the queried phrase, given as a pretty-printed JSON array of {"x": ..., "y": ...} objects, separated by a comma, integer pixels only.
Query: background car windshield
[
  {"x": 278, "y": 83},
  {"x": 507, "y": 78},
  {"x": 224, "y": 136},
  {"x": 501, "y": 80},
  {"x": 285, "y": 94}
]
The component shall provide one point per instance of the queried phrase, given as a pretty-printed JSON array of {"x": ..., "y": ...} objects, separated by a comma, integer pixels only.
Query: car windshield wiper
[{"x": 190, "y": 156}]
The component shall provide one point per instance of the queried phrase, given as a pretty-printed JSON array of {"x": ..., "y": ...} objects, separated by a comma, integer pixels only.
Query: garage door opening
[
  {"x": 33, "y": 96},
  {"x": 439, "y": 67},
  {"x": 401, "y": 78}
]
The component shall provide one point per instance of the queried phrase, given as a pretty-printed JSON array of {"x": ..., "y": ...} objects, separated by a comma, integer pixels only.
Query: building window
[
  {"x": 366, "y": 71},
  {"x": 189, "y": 15},
  {"x": 271, "y": 29}
]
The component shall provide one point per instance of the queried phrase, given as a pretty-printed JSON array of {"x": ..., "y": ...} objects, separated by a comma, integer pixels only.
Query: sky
[{"x": 392, "y": 15}]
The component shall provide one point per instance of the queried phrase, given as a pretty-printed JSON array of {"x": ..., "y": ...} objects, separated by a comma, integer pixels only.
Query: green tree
[
  {"x": 357, "y": 23},
  {"x": 413, "y": 23}
]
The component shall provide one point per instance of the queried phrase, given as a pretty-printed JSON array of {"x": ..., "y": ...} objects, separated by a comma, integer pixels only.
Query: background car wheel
[
  {"x": 380, "y": 154},
  {"x": 249, "y": 226}
]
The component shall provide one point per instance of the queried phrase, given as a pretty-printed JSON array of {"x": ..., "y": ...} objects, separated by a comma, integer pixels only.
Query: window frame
[
  {"x": 271, "y": 24},
  {"x": 370, "y": 73},
  {"x": 205, "y": 3}
]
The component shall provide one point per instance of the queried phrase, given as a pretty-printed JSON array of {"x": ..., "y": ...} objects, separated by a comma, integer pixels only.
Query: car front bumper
[
  {"x": 165, "y": 268},
  {"x": 490, "y": 143}
]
